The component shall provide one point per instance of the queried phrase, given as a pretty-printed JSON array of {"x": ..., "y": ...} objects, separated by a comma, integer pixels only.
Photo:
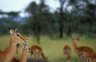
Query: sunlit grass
[{"x": 53, "y": 49}]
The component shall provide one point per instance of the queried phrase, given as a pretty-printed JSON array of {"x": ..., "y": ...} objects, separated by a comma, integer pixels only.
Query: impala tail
[{"x": 43, "y": 56}]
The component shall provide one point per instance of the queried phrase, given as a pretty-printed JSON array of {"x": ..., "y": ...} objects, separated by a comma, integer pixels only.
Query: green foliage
[
  {"x": 82, "y": 19},
  {"x": 5, "y": 23}
]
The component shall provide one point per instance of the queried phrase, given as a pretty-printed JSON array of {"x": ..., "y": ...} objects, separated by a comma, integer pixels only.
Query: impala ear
[
  {"x": 12, "y": 30},
  {"x": 16, "y": 30}
]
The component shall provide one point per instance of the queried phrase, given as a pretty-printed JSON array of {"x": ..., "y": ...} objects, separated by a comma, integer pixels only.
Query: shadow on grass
[{"x": 37, "y": 60}]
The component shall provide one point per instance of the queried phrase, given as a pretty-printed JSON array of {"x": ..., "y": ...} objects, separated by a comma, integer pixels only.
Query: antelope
[
  {"x": 81, "y": 50},
  {"x": 24, "y": 54},
  {"x": 15, "y": 38},
  {"x": 14, "y": 59},
  {"x": 91, "y": 57},
  {"x": 67, "y": 53},
  {"x": 37, "y": 52}
]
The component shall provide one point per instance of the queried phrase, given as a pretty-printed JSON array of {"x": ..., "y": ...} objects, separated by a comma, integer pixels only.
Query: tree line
[{"x": 80, "y": 19}]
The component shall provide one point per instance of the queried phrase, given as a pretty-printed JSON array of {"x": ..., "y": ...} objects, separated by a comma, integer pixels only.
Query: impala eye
[{"x": 18, "y": 35}]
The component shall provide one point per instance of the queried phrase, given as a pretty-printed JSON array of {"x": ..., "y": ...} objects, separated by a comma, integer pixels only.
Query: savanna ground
[{"x": 53, "y": 49}]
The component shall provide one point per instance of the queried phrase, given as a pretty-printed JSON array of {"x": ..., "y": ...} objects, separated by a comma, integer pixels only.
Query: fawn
[
  {"x": 67, "y": 53},
  {"x": 37, "y": 52},
  {"x": 9, "y": 54}
]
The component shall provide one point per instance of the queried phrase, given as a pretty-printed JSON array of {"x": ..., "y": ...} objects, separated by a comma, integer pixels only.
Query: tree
[
  {"x": 91, "y": 15},
  {"x": 38, "y": 19},
  {"x": 61, "y": 18},
  {"x": 5, "y": 22},
  {"x": 85, "y": 11},
  {"x": 13, "y": 14}
]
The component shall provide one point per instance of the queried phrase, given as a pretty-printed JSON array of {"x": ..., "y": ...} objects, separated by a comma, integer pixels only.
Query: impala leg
[
  {"x": 81, "y": 58},
  {"x": 35, "y": 56},
  {"x": 87, "y": 59},
  {"x": 68, "y": 58},
  {"x": 38, "y": 55}
]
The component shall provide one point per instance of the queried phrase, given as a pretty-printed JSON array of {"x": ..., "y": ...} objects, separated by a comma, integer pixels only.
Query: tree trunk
[
  {"x": 61, "y": 31},
  {"x": 38, "y": 37},
  {"x": 38, "y": 30},
  {"x": 61, "y": 21}
]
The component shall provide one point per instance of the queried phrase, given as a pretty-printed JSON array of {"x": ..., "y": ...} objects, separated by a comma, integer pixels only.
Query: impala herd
[{"x": 85, "y": 53}]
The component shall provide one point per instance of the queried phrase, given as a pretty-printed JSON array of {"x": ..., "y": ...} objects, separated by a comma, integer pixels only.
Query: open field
[{"x": 53, "y": 49}]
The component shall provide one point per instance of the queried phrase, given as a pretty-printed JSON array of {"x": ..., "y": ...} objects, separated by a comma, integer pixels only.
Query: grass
[{"x": 53, "y": 49}]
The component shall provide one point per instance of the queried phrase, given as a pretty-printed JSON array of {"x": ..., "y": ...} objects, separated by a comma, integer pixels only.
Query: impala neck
[
  {"x": 75, "y": 44},
  {"x": 24, "y": 54},
  {"x": 11, "y": 51}
]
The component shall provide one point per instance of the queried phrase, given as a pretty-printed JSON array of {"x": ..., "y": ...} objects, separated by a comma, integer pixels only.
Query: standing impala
[
  {"x": 81, "y": 50},
  {"x": 9, "y": 54}
]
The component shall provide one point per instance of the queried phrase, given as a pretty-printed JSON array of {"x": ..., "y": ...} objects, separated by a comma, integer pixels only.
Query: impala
[
  {"x": 67, "y": 52},
  {"x": 9, "y": 54},
  {"x": 37, "y": 52},
  {"x": 81, "y": 50}
]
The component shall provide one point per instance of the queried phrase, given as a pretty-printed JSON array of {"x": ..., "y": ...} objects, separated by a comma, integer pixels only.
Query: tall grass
[{"x": 53, "y": 49}]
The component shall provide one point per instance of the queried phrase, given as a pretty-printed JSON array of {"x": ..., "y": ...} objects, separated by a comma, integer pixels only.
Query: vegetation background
[{"x": 52, "y": 29}]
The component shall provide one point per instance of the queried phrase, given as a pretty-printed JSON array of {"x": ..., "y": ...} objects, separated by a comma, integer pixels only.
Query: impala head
[
  {"x": 75, "y": 43},
  {"x": 15, "y": 36},
  {"x": 75, "y": 40},
  {"x": 66, "y": 47}
]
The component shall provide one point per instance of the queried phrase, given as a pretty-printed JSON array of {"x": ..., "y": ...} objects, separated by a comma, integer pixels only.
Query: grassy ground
[{"x": 53, "y": 49}]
